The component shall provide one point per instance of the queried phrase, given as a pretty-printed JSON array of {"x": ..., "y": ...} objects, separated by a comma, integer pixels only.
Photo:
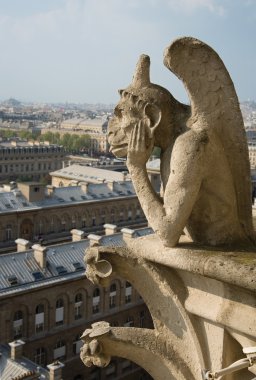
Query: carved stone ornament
[
  {"x": 205, "y": 171},
  {"x": 200, "y": 288},
  {"x": 91, "y": 352},
  {"x": 96, "y": 268}
]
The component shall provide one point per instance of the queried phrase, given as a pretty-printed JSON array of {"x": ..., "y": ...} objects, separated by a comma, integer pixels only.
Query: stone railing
[{"x": 202, "y": 302}]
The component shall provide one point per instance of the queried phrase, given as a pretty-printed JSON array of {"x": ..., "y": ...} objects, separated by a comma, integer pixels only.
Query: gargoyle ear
[{"x": 153, "y": 114}]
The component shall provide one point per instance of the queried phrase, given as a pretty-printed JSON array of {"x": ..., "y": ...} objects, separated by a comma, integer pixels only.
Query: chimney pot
[
  {"x": 40, "y": 255},
  {"x": 128, "y": 233},
  {"x": 22, "y": 245},
  {"x": 110, "y": 229},
  {"x": 16, "y": 349},
  {"x": 94, "y": 239},
  {"x": 55, "y": 369},
  {"x": 77, "y": 235}
]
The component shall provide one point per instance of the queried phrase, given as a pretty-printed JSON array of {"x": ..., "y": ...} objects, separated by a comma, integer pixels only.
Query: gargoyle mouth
[{"x": 119, "y": 150}]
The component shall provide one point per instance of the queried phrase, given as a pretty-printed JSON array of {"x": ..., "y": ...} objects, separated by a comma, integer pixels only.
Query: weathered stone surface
[
  {"x": 199, "y": 287},
  {"x": 203, "y": 316},
  {"x": 204, "y": 156}
]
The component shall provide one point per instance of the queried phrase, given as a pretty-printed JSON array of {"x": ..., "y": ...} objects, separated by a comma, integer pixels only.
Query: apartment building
[{"x": 46, "y": 302}]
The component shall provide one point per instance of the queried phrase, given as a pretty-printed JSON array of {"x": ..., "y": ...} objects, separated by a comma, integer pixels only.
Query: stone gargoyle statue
[{"x": 205, "y": 172}]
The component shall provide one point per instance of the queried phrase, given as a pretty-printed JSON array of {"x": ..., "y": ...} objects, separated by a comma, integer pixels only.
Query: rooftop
[
  {"x": 20, "y": 271},
  {"x": 14, "y": 200},
  {"x": 88, "y": 174},
  {"x": 86, "y": 121},
  {"x": 19, "y": 368}
]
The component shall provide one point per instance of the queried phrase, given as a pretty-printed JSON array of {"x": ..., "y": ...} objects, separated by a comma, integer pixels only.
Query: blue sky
[{"x": 85, "y": 50}]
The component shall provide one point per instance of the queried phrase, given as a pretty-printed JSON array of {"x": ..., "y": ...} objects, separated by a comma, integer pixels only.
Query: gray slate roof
[
  {"x": 18, "y": 267},
  {"x": 12, "y": 369},
  {"x": 88, "y": 174},
  {"x": 14, "y": 200}
]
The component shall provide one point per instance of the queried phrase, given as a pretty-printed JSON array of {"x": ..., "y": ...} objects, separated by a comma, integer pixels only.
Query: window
[
  {"x": 142, "y": 318},
  {"x": 112, "y": 212},
  {"x": 40, "y": 356},
  {"x": 41, "y": 225},
  {"x": 129, "y": 214},
  {"x": 112, "y": 296},
  {"x": 111, "y": 370},
  {"x": 77, "y": 344},
  {"x": 18, "y": 324},
  {"x": 95, "y": 374},
  {"x": 78, "y": 306},
  {"x": 138, "y": 213},
  {"x": 63, "y": 224},
  {"x": 96, "y": 301},
  {"x": 59, "y": 312},
  {"x": 129, "y": 322},
  {"x": 8, "y": 232},
  {"x": 126, "y": 365},
  {"x": 59, "y": 351},
  {"x": 121, "y": 215},
  {"x": 39, "y": 318},
  {"x": 52, "y": 225},
  {"x": 128, "y": 292}
]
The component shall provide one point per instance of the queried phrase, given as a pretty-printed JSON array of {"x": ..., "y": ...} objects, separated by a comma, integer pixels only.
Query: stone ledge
[{"x": 230, "y": 266}]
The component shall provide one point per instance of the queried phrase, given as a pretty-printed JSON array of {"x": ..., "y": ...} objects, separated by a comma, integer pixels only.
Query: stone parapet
[{"x": 202, "y": 302}]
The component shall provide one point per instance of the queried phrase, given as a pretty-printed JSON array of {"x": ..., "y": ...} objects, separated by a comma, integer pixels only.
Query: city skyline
[{"x": 83, "y": 51}]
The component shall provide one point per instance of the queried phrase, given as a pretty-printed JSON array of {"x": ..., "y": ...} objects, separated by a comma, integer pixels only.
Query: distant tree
[
  {"x": 7, "y": 134},
  {"x": 66, "y": 141},
  {"x": 25, "y": 135},
  {"x": 46, "y": 180},
  {"x": 85, "y": 142}
]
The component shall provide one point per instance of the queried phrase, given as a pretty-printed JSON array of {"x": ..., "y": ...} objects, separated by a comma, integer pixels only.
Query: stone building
[
  {"x": 47, "y": 302},
  {"x": 252, "y": 154},
  {"x": 75, "y": 174},
  {"x": 95, "y": 128},
  {"x": 31, "y": 160},
  {"x": 28, "y": 211}
]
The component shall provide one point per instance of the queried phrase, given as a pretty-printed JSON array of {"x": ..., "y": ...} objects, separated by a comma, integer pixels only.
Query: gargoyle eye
[{"x": 118, "y": 112}]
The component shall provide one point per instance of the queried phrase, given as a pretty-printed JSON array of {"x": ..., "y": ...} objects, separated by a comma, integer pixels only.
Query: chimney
[
  {"x": 124, "y": 175},
  {"x": 84, "y": 186},
  {"x": 50, "y": 189},
  {"x": 16, "y": 349},
  {"x": 77, "y": 235},
  {"x": 40, "y": 255},
  {"x": 111, "y": 185},
  {"x": 22, "y": 245},
  {"x": 127, "y": 233},
  {"x": 94, "y": 239},
  {"x": 55, "y": 370},
  {"x": 110, "y": 229}
]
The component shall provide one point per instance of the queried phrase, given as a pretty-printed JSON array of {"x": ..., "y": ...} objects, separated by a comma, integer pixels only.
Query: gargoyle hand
[{"x": 140, "y": 145}]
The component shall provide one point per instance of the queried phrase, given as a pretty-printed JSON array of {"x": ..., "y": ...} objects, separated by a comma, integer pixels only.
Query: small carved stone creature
[{"x": 205, "y": 171}]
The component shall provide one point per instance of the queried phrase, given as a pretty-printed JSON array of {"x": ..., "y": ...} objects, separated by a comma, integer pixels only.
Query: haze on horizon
[{"x": 83, "y": 51}]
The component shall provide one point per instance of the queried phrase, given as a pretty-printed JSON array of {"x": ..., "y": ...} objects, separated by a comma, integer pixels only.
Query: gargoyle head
[{"x": 140, "y": 101}]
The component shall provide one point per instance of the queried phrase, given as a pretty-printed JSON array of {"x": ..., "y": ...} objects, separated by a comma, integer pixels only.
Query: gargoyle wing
[{"x": 215, "y": 106}]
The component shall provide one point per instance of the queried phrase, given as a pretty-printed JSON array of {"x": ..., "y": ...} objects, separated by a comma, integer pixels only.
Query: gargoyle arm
[{"x": 168, "y": 218}]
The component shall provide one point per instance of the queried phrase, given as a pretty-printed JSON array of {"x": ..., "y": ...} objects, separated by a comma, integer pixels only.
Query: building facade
[
  {"x": 28, "y": 212},
  {"x": 47, "y": 302},
  {"x": 29, "y": 160}
]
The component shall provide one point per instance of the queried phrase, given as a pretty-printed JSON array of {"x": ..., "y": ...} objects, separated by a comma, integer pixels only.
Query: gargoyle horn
[{"x": 141, "y": 77}]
